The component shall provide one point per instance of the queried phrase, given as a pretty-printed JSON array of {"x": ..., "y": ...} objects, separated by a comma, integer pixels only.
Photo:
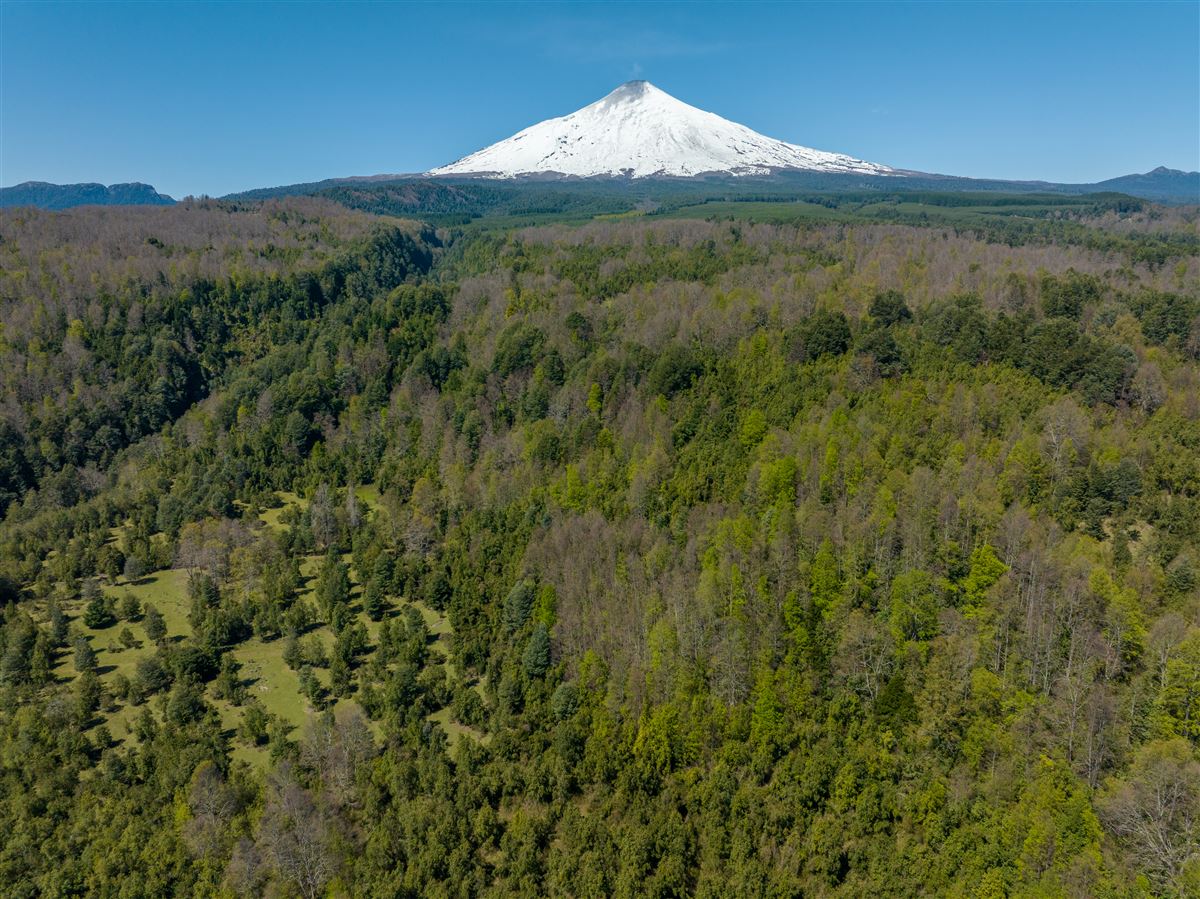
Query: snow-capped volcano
[{"x": 639, "y": 131}]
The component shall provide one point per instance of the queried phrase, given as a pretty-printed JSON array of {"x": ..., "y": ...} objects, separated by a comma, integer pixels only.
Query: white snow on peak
[{"x": 638, "y": 131}]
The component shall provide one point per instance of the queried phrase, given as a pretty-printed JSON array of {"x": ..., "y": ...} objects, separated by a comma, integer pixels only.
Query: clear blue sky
[{"x": 213, "y": 98}]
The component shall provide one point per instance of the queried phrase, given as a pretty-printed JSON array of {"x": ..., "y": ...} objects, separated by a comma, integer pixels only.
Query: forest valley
[{"x": 349, "y": 555}]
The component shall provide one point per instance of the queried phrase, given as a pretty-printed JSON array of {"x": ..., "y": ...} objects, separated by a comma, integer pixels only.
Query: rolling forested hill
[{"x": 729, "y": 549}]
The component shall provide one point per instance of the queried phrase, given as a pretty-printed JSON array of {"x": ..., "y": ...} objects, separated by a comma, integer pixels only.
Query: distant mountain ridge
[
  {"x": 44, "y": 195},
  {"x": 1162, "y": 184}
]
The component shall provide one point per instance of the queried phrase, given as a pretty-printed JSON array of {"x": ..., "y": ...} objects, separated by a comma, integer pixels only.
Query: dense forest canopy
[{"x": 700, "y": 552}]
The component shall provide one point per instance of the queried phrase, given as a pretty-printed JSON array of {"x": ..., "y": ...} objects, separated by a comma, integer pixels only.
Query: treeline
[{"x": 767, "y": 572}]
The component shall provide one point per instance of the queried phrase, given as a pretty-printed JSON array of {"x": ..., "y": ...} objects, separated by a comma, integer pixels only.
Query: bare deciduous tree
[
  {"x": 334, "y": 746},
  {"x": 322, "y": 518},
  {"x": 1155, "y": 810},
  {"x": 207, "y": 545},
  {"x": 864, "y": 657},
  {"x": 213, "y": 805},
  {"x": 295, "y": 833}
]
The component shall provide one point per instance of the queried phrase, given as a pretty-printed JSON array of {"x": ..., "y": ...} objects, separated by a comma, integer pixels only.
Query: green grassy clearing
[{"x": 264, "y": 674}]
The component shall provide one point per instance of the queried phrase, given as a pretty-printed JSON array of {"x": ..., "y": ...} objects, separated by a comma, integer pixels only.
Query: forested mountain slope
[
  {"x": 116, "y": 321},
  {"x": 643, "y": 558},
  {"x": 41, "y": 195}
]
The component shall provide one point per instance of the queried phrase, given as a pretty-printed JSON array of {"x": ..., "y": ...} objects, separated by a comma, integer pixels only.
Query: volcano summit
[{"x": 639, "y": 131}]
